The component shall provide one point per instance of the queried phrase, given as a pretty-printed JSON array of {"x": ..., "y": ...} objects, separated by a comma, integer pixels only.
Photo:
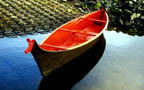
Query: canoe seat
[
  {"x": 96, "y": 20},
  {"x": 52, "y": 46},
  {"x": 74, "y": 31}
]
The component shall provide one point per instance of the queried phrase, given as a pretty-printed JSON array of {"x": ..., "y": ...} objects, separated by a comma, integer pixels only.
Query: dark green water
[{"x": 120, "y": 68}]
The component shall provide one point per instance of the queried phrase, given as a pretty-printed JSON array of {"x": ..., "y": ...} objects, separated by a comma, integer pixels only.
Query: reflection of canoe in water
[{"x": 68, "y": 41}]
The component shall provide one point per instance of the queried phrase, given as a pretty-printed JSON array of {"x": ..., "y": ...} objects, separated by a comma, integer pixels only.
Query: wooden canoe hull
[
  {"x": 49, "y": 61},
  {"x": 66, "y": 76},
  {"x": 83, "y": 39}
]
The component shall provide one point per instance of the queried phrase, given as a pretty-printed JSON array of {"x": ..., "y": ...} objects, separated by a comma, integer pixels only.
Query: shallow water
[{"x": 120, "y": 68}]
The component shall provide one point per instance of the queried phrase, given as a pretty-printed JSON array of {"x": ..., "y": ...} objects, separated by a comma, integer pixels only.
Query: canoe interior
[{"x": 75, "y": 32}]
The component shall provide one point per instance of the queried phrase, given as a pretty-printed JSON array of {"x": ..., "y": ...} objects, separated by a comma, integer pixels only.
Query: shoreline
[{"x": 18, "y": 18}]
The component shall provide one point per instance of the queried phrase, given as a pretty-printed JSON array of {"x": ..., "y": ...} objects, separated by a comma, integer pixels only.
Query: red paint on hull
[{"x": 75, "y": 32}]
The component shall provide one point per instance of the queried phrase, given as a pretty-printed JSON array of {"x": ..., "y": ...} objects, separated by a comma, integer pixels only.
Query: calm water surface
[{"x": 120, "y": 68}]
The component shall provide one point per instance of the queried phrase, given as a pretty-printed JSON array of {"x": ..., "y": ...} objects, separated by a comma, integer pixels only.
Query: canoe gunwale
[
  {"x": 84, "y": 43},
  {"x": 92, "y": 39}
]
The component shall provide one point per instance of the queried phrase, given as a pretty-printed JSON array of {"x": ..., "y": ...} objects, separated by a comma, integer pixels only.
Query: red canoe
[{"x": 68, "y": 41}]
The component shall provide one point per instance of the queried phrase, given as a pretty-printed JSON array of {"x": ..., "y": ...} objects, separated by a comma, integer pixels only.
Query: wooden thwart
[
  {"x": 53, "y": 46},
  {"x": 96, "y": 20},
  {"x": 74, "y": 31}
]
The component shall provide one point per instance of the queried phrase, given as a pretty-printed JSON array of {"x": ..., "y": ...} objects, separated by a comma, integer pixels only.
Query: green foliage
[
  {"x": 98, "y": 5},
  {"x": 130, "y": 12},
  {"x": 125, "y": 15}
]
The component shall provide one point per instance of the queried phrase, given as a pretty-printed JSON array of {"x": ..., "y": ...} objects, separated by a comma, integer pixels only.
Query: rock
[
  {"x": 29, "y": 29},
  {"x": 12, "y": 36},
  {"x": 46, "y": 27},
  {"x": 18, "y": 30},
  {"x": 46, "y": 11},
  {"x": 39, "y": 29},
  {"x": 30, "y": 32},
  {"x": 42, "y": 31},
  {"x": 8, "y": 31},
  {"x": 21, "y": 33},
  {"x": 69, "y": 10}
]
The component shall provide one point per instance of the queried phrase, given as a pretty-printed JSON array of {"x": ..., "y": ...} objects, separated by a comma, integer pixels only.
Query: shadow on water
[{"x": 65, "y": 77}]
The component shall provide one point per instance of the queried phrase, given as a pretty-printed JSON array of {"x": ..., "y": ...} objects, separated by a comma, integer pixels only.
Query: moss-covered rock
[{"x": 22, "y": 17}]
